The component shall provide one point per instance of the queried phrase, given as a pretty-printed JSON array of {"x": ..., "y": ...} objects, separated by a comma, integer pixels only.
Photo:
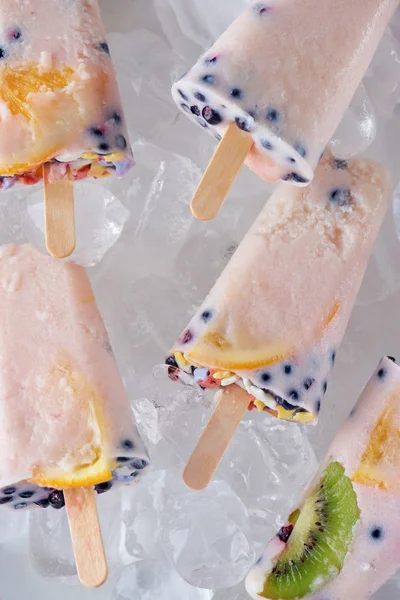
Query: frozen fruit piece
[
  {"x": 276, "y": 317},
  {"x": 286, "y": 72},
  {"x": 58, "y": 94},
  {"x": 342, "y": 542},
  {"x": 65, "y": 417}
]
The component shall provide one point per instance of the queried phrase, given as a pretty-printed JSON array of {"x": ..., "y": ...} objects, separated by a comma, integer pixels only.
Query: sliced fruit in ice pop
[
  {"x": 271, "y": 76},
  {"x": 343, "y": 540},
  {"x": 320, "y": 539}
]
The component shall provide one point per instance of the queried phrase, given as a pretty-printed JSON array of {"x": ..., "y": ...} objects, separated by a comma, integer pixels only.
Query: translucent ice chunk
[
  {"x": 13, "y": 525},
  {"x": 357, "y": 129},
  {"x": 150, "y": 580},
  {"x": 206, "y": 535}
]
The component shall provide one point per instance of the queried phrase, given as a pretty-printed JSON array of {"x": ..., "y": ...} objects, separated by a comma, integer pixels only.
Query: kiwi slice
[{"x": 320, "y": 540}]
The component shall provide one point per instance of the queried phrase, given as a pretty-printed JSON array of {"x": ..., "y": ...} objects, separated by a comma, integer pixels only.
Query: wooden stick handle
[
  {"x": 222, "y": 171},
  {"x": 86, "y": 536},
  {"x": 230, "y": 410},
  {"x": 59, "y": 215}
]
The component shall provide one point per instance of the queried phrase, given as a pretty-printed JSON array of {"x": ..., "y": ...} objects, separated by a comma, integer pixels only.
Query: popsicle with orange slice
[
  {"x": 67, "y": 428},
  {"x": 61, "y": 118},
  {"x": 343, "y": 539},
  {"x": 274, "y": 321}
]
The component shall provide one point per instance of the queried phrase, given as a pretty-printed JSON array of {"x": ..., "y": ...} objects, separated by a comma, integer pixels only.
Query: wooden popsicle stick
[
  {"x": 86, "y": 536},
  {"x": 222, "y": 171},
  {"x": 59, "y": 215},
  {"x": 230, "y": 410}
]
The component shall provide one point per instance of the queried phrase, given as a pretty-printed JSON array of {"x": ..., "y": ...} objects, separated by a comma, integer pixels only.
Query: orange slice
[
  {"x": 88, "y": 463},
  {"x": 17, "y": 87},
  {"x": 379, "y": 466},
  {"x": 214, "y": 350}
]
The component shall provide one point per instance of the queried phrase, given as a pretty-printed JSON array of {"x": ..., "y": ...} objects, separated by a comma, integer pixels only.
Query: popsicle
[
  {"x": 343, "y": 539},
  {"x": 276, "y": 85},
  {"x": 275, "y": 319},
  {"x": 59, "y": 102},
  {"x": 66, "y": 422}
]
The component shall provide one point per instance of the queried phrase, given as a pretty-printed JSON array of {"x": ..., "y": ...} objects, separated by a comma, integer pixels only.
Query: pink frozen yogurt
[
  {"x": 367, "y": 450},
  {"x": 285, "y": 71},
  {"x": 275, "y": 319},
  {"x": 65, "y": 417}
]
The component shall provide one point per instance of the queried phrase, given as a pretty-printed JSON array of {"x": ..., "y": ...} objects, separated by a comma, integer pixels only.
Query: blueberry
[
  {"x": 376, "y": 533},
  {"x": 139, "y": 463},
  {"x": 211, "y": 116},
  {"x": 15, "y": 35},
  {"x": 26, "y": 494},
  {"x": 295, "y": 177},
  {"x": 206, "y": 315},
  {"x": 273, "y": 115},
  {"x": 339, "y": 163},
  {"x": 3, "y": 53},
  {"x": 391, "y": 358},
  {"x": 120, "y": 142},
  {"x": 266, "y": 144},
  {"x": 20, "y": 505},
  {"x": 104, "y": 148},
  {"x": 261, "y": 8},
  {"x": 211, "y": 61},
  {"x": 6, "y": 499},
  {"x": 288, "y": 369},
  {"x": 116, "y": 117},
  {"x": 56, "y": 499},
  {"x": 209, "y": 79},
  {"x": 307, "y": 383},
  {"x": 243, "y": 123},
  {"x": 96, "y": 132},
  {"x": 300, "y": 149},
  {"x": 185, "y": 107},
  {"x": 9, "y": 491},
  {"x": 317, "y": 406},
  {"x": 134, "y": 474},
  {"x": 195, "y": 110},
  {"x": 252, "y": 113},
  {"x": 103, "y": 487},
  {"x": 333, "y": 356},
  {"x": 236, "y": 93},
  {"x": 291, "y": 159},
  {"x": 285, "y": 533},
  {"x": 127, "y": 444},
  {"x": 104, "y": 47},
  {"x": 285, "y": 404},
  {"x": 171, "y": 362},
  {"x": 382, "y": 373},
  {"x": 324, "y": 387},
  {"x": 294, "y": 395},
  {"x": 266, "y": 377},
  {"x": 340, "y": 196},
  {"x": 123, "y": 459},
  {"x": 182, "y": 95},
  {"x": 199, "y": 96},
  {"x": 43, "y": 503},
  {"x": 187, "y": 337}
]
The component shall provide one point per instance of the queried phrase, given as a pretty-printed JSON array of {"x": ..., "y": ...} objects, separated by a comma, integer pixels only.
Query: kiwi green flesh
[{"x": 317, "y": 547}]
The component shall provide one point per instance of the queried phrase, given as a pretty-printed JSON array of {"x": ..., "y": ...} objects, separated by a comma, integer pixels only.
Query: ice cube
[
  {"x": 150, "y": 580},
  {"x": 206, "y": 534}
]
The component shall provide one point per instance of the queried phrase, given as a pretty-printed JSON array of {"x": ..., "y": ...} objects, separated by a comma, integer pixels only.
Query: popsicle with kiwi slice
[{"x": 343, "y": 541}]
